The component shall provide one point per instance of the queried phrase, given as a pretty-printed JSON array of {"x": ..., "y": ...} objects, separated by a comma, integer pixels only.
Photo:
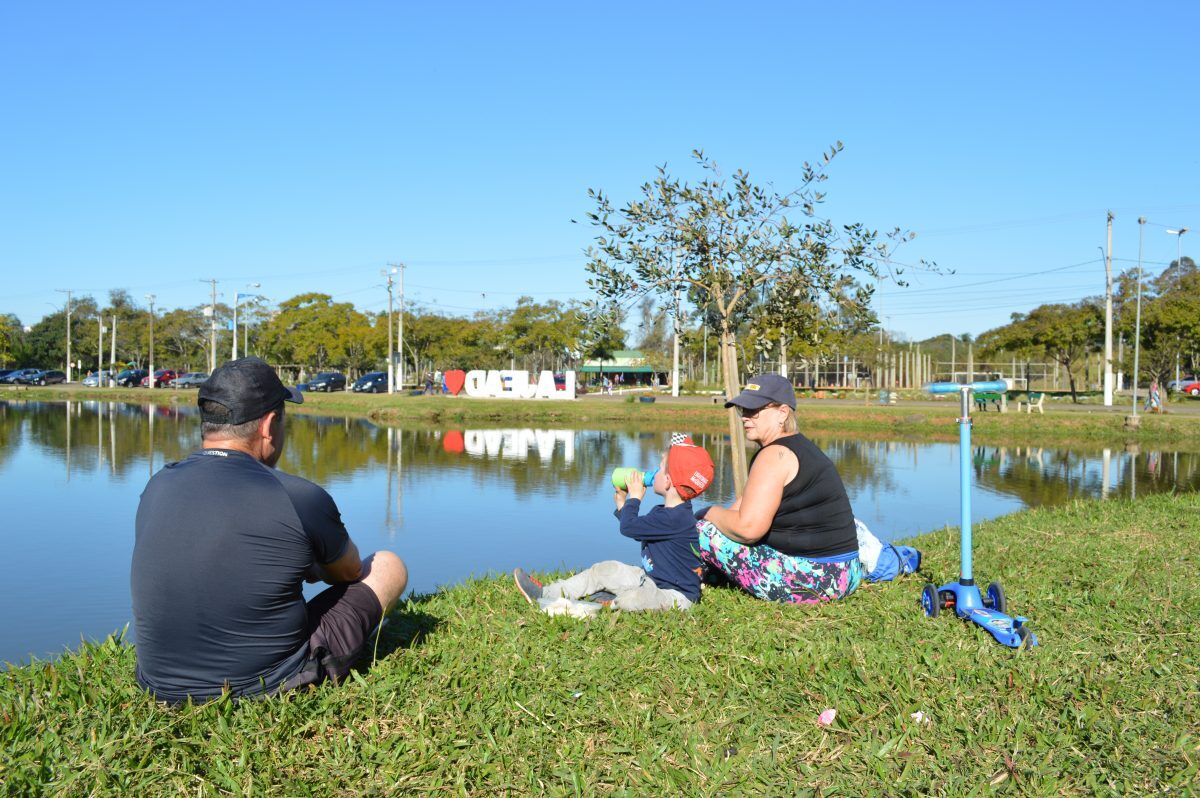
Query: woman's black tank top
[{"x": 814, "y": 518}]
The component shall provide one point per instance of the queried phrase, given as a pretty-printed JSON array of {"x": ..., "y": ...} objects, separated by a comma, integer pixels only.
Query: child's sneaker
[
  {"x": 602, "y": 597},
  {"x": 530, "y": 588}
]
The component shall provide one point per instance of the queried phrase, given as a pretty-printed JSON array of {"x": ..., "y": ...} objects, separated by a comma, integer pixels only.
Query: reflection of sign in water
[
  {"x": 515, "y": 384},
  {"x": 515, "y": 444}
]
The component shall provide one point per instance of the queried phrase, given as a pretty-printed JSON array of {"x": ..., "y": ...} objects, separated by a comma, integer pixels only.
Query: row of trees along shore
[
  {"x": 758, "y": 264},
  {"x": 1071, "y": 334},
  {"x": 747, "y": 274}
]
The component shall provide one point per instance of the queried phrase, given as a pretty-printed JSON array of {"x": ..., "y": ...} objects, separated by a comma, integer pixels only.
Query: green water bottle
[{"x": 622, "y": 475}]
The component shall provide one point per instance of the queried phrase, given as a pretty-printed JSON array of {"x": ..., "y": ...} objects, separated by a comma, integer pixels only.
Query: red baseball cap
[{"x": 689, "y": 467}]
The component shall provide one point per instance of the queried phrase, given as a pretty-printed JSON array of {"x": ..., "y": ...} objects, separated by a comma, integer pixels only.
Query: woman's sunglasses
[{"x": 752, "y": 413}]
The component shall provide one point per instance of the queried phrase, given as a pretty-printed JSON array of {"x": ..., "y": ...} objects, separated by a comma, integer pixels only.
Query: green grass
[{"x": 477, "y": 694}]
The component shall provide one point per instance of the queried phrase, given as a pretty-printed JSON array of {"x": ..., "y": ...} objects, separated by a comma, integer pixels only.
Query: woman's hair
[{"x": 789, "y": 423}]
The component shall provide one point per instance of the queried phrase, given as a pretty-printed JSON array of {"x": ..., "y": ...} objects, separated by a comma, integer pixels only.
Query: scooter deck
[{"x": 1000, "y": 626}]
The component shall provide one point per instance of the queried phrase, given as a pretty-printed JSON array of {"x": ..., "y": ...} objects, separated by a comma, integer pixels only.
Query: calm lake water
[{"x": 453, "y": 502}]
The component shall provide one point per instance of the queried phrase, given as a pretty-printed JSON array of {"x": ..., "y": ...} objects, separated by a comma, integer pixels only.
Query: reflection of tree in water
[
  {"x": 331, "y": 449},
  {"x": 858, "y": 462},
  {"x": 103, "y": 435},
  {"x": 1038, "y": 476}
]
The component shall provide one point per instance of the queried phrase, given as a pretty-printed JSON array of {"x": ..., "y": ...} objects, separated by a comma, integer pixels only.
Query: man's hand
[
  {"x": 636, "y": 485},
  {"x": 315, "y": 573},
  {"x": 619, "y": 499}
]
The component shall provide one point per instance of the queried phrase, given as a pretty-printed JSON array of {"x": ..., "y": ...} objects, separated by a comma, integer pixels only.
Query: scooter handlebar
[{"x": 990, "y": 386}]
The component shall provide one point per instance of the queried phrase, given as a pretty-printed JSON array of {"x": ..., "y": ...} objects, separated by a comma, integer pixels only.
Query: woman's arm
[{"x": 749, "y": 519}]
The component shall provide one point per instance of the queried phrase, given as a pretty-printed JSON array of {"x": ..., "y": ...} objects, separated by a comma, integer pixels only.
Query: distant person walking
[{"x": 1154, "y": 398}]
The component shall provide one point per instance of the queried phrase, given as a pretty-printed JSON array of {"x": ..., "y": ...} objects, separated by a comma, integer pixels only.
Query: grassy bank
[
  {"x": 932, "y": 420},
  {"x": 475, "y": 693}
]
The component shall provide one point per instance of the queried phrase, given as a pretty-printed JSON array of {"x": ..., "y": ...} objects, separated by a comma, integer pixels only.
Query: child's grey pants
[{"x": 633, "y": 588}]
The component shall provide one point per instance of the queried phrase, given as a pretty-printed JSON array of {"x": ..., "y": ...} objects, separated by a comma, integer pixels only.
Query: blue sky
[{"x": 305, "y": 145}]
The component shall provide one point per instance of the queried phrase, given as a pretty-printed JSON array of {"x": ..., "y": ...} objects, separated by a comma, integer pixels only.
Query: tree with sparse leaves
[{"x": 731, "y": 243}]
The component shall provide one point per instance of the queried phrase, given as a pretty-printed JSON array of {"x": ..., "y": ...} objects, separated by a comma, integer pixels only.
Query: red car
[
  {"x": 162, "y": 377},
  {"x": 1190, "y": 388}
]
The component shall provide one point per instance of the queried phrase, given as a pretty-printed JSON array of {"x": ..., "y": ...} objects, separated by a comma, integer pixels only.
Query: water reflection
[{"x": 454, "y": 502}]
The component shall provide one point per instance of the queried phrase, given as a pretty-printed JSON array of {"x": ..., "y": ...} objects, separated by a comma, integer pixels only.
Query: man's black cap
[
  {"x": 248, "y": 387},
  {"x": 764, "y": 389}
]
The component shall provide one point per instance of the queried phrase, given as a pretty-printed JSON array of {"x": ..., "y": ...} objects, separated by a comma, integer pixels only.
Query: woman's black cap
[
  {"x": 764, "y": 389},
  {"x": 248, "y": 387}
]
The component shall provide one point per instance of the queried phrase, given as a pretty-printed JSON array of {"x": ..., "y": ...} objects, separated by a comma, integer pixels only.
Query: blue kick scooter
[{"x": 989, "y": 608}]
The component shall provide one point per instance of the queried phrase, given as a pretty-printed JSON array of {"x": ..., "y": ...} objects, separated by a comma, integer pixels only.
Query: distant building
[{"x": 630, "y": 363}]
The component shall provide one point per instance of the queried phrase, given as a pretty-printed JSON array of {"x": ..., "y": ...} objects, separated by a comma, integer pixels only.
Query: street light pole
[
  {"x": 236, "y": 298},
  {"x": 399, "y": 267},
  {"x": 1137, "y": 327},
  {"x": 1108, "y": 312},
  {"x": 67, "y": 291},
  {"x": 391, "y": 382},
  {"x": 150, "y": 299},
  {"x": 1179, "y": 265},
  {"x": 675, "y": 320},
  {"x": 100, "y": 352}
]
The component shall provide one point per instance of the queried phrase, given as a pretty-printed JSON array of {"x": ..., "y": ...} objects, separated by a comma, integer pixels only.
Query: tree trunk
[
  {"x": 1071, "y": 378},
  {"x": 737, "y": 436}
]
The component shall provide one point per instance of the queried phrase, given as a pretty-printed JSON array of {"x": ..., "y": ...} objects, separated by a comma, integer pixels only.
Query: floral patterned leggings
[{"x": 771, "y": 575}]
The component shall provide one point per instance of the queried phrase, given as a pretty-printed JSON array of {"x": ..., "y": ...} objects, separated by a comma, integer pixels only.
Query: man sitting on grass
[
  {"x": 223, "y": 546},
  {"x": 670, "y": 572}
]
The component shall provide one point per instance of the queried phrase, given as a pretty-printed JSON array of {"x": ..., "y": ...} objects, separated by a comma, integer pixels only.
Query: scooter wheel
[
  {"x": 930, "y": 601},
  {"x": 1024, "y": 634},
  {"x": 994, "y": 598}
]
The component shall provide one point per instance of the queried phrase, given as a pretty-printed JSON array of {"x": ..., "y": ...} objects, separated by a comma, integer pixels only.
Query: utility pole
[
  {"x": 68, "y": 292},
  {"x": 212, "y": 326},
  {"x": 150, "y": 299},
  {"x": 112, "y": 358},
  {"x": 391, "y": 360},
  {"x": 1108, "y": 372}
]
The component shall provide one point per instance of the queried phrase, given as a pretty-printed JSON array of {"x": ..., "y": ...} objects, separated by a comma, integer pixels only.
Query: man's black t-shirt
[{"x": 222, "y": 545}]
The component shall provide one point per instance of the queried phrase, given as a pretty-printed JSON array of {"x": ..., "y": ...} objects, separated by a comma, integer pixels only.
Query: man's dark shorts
[{"x": 339, "y": 621}]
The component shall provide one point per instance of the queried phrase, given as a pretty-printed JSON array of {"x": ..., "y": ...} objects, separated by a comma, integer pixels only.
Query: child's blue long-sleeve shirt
[{"x": 670, "y": 548}]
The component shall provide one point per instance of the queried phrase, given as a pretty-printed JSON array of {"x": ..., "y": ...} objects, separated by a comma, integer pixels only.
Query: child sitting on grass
[{"x": 670, "y": 572}]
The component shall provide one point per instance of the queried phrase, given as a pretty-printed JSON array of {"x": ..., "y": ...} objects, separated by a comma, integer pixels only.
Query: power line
[{"x": 905, "y": 291}]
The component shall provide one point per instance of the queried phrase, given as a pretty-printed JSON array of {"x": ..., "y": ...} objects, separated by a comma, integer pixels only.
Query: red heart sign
[
  {"x": 452, "y": 441},
  {"x": 455, "y": 379}
]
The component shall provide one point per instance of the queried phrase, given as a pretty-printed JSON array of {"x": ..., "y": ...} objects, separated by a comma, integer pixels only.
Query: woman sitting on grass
[{"x": 790, "y": 537}]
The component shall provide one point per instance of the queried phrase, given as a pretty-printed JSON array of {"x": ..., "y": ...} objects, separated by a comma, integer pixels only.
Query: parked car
[
  {"x": 193, "y": 379},
  {"x": 328, "y": 381},
  {"x": 371, "y": 382},
  {"x": 47, "y": 377},
  {"x": 1191, "y": 388},
  {"x": 16, "y": 376},
  {"x": 94, "y": 380},
  {"x": 4, "y": 373},
  {"x": 131, "y": 378},
  {"x": 162, "y": 378},
  {"x": 1178, "y": 385}
]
